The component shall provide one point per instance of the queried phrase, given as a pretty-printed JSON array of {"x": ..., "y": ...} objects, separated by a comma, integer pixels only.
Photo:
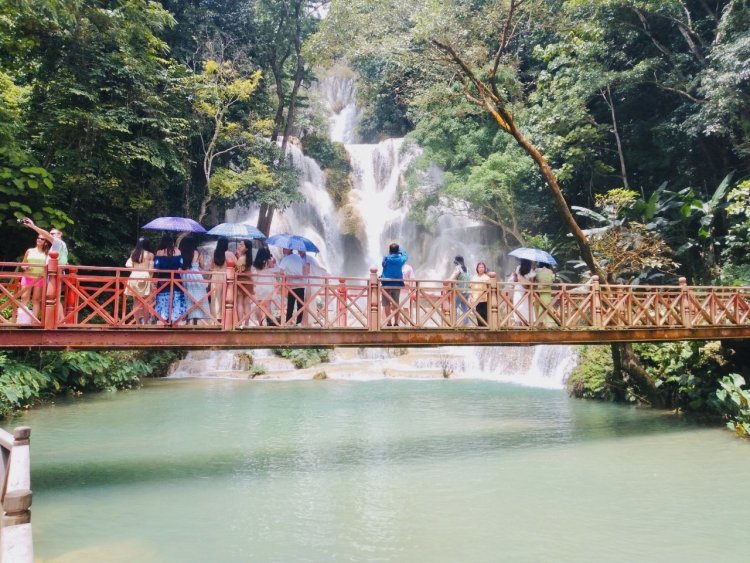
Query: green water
[{"x": 210, "y": 470}]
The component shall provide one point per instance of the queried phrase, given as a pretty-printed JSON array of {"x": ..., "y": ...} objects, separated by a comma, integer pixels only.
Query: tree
[
  {"x": 281, "y": 28},
  {"x": 222, "y": 86}
]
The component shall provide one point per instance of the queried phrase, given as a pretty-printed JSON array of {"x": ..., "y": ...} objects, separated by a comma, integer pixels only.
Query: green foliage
[
  {"x": 20, "y": 385},
  {"x": 256, "y": 370},
  {"x": 733, "y": 399},
  {"x": 327, "y": 154},
  {"x": 588, "y": 379},
  {"x": 686, "y": 372},
  {"x": 93, "y": 371},
  {"x": 27, "y": 378},
  {"x": 304, "y": 357},
  {"x": 737, "y": 241},
  {"x": 334, "y": 160}
]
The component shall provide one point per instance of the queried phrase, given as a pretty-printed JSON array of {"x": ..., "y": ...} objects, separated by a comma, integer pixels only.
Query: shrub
[
  {"x": 686, "y": 372},
  {"x": 255, "y": 370},
  {"x": 305, "y": 357},
  {"x": 734, "y": 402},
  {"x": 589, "y": 378}
]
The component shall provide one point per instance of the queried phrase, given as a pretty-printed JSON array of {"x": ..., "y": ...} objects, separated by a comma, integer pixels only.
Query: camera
[{"x": 21, "y": 221}]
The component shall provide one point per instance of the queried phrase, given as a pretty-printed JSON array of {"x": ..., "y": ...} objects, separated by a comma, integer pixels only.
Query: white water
[{"x": 375, "y": 218}]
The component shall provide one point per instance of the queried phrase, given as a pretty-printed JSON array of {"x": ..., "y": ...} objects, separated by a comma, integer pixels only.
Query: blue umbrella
[
  {"x": 236, "y": 230},
  {"x": 293, "y": 242},
  {"x": 535, "y": 255},
  {"x": 180, "y": 224}
]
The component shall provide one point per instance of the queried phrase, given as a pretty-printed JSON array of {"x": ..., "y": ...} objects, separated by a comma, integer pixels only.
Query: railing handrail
[
  {"x": 15, "y": 497},
  {"x": 81, "y": 296}
]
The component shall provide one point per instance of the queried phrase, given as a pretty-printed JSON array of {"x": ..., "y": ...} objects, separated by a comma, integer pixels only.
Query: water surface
[{"x": 217, "y": 470}]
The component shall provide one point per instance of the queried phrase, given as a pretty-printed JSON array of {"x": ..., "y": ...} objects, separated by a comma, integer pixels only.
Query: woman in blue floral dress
[{"x": 168, "y": 262}]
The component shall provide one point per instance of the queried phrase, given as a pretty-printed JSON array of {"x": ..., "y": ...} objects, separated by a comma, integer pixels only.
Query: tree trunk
[
  {"x": 265, "y": 218},
  {"x": 629, "y": 372},
  {"x": 549, "y": 176},
  {"x": 279, "y": 117}
]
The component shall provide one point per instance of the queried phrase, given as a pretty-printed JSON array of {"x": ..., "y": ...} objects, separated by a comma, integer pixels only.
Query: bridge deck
[
  {"x": 90, "y": 307},
  {"x": 312, "y": 338}
]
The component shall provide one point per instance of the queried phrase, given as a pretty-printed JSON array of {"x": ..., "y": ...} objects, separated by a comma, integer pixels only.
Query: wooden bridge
[{"x": 84, "y": 307}]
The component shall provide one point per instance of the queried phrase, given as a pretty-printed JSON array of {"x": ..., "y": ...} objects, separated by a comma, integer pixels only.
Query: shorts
[
  {"x": 394, "y": 293},
  {"x": 27, "y": 281}
]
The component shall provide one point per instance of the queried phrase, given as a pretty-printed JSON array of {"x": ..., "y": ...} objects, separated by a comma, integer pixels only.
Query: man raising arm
[{"x": 54, "y": 236}]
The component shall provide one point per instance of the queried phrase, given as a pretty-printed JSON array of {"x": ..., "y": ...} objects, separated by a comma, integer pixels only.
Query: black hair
[
  {"x": 167, "y": 243},
  {"x": 222, "y": 245},
  {"x": 188, "y": 245},
  {"x": 261, "y": 257},
  {"x": 141, "y": 246},
  {"x": 393, "y": 248},
  {"x": 525, "y": 267},
  {"x": 459, "y": 261}
]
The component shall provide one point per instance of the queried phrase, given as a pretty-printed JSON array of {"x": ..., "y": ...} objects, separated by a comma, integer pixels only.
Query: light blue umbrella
[
  {"x": 179, "y": 224},
  {"x": 293, "y": 242},
  {"x": 534, "y": 254},
  {"x": 236, "y": 230}
]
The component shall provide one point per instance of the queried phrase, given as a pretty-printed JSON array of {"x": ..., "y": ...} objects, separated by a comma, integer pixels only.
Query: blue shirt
[{"x": 392, "y": 269}]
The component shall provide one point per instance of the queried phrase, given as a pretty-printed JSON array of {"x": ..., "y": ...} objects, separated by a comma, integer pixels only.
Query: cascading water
[{"x": 374, "y": 218}]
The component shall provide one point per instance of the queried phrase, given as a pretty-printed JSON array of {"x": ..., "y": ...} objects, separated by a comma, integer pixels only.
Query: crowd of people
[
  {"x": 198, "y": 298},
  {"x": 471, "y": 295}
]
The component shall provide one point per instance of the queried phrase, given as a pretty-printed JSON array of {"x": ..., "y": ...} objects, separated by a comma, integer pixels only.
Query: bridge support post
[
  {"x": 373, "y": 320},
  {"x": 685, "y": 312},
  {"x": 52, "y": 292},
  {"x": 71, "y": 295},
  {"x": 229, "y": 293},
  {"x": 341, "y": 303},
  {"x": 596, "y": 302},
  {"x": 493, "y": 299}
]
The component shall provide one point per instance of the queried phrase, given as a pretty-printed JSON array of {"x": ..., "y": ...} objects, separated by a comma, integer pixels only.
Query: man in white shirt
[{"x": 292, "y": 267}]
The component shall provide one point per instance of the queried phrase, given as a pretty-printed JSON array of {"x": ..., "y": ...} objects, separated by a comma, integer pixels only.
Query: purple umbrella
[{"x": 180, "y": 224}]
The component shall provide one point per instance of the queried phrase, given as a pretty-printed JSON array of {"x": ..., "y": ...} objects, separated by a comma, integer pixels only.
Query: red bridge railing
[{"x": 88, "y": 297}]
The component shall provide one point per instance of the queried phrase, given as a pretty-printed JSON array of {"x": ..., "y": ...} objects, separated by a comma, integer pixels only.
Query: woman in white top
[
  {"x": 263, "y": 270},
  {"x": 522, "y": 277},
  {"x": 479, "y": 292}
]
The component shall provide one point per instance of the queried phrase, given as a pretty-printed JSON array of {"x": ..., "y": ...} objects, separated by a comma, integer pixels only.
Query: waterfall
[{"x": 356, "y": 237}]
